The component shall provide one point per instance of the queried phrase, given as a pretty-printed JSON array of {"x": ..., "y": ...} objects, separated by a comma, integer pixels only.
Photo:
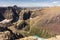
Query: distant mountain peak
[{"x": 15, "y": 6}]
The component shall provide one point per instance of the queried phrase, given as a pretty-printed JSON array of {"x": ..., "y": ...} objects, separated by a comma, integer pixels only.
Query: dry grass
[{"x": 50, "y": 19}]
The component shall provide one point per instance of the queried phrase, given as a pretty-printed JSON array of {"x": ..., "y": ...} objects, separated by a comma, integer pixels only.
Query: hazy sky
[{"x": 30, "y": 3}]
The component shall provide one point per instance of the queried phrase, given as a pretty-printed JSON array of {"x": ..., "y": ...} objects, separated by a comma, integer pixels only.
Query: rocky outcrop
[
  {"x": 25, "y": 14},
  {"x": 4, "y": 35},
  {"x": 8, "y": 15},
  {"x": 10, "y": 18}
]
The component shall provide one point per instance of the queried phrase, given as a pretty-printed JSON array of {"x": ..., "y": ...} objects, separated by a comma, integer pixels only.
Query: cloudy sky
[{"x": 30, "y": 3}]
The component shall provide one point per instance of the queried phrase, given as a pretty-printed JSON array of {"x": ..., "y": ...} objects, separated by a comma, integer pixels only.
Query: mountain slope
[{"x": 50, "y": 20}]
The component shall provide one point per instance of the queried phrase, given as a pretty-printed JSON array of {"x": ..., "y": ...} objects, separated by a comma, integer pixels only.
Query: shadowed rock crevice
[
  {"x": 14, "y": 36},
  {"x": 1, "y": 17},
  {"x": 2, "y": 11},
  {"x": 2, "y": 29},
  {"x": 26, "y": 15},
  {"x": 15, "y": 16},
  {"x": 21, "y": 26}
]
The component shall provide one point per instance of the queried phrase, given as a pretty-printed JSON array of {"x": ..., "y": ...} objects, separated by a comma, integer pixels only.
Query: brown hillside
[{"x": 48, "y": 18}]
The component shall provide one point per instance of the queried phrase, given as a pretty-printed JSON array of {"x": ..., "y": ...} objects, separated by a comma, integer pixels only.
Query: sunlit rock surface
[
  {"x": 6, "y": 21},
  {"x": 4, "y": 35}
]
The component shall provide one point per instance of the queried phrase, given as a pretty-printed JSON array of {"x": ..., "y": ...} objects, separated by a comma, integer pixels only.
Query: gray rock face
[{"x": 8, "y": 14}]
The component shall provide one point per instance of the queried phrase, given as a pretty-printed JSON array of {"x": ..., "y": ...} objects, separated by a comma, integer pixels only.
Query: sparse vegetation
[
  {"x": 40, "y": 32},
  {"x": 21, "y": 25},
  {"x": 27, "y": 28}
]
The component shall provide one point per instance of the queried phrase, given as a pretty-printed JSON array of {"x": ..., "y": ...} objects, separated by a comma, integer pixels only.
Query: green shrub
[{"x": 27, "y": 28}]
